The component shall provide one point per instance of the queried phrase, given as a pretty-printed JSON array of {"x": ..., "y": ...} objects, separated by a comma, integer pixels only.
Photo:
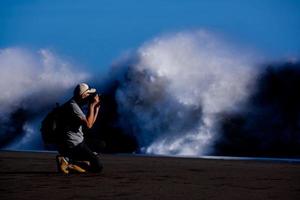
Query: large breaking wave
[
  {"x": 30, "y": 84},
  {"x": 188, "y": 93},
  {"x": 177, "y": 87}
]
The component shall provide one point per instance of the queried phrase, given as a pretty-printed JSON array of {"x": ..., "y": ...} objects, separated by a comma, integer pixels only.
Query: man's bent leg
[{"x": 83, "y": 152}]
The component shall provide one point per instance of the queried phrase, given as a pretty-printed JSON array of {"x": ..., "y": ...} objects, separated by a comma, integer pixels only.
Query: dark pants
[{"x": 82, "y": 152}]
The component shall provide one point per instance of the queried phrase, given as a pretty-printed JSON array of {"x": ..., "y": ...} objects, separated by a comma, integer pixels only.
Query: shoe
[
  {"x": 76, "y": 168},
  {"x": 62, "y": 164},
  {"x": 83, "y": 164},
  {"x": 88, "y": 163}
]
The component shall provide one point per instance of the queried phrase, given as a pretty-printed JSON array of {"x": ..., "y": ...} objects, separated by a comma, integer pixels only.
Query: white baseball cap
[{"x": 82, "y": 88}]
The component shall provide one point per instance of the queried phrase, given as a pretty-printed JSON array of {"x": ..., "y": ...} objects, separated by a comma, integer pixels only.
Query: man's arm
[
  {"x": 92, "y": 113},
  {"x": 96, "y": 111}
]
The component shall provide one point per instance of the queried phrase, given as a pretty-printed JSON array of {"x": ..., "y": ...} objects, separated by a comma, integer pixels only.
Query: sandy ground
[{"x": 34, "y": 176}]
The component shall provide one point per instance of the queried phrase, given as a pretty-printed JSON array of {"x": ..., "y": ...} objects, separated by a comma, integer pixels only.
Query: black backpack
[{"x": 52, "y": 125}]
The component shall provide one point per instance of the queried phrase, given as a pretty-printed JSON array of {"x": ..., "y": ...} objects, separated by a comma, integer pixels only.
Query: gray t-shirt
[{"x": 73, "y": 128}]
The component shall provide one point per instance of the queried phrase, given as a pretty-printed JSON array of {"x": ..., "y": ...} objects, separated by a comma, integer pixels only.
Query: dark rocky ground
[{"x": 34, "y": 176}]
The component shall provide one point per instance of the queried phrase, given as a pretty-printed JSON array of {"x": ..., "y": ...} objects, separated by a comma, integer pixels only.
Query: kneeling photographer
[{"x": 72, "y": 147}]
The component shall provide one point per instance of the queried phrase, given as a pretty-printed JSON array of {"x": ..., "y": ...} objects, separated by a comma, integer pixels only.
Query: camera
[{"x": 92, "y": 95}]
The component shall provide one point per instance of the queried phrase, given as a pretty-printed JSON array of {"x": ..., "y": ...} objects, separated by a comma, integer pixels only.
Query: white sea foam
[
  {"x": 32, "y": 80},
  {"x": 193, "y": 71}
]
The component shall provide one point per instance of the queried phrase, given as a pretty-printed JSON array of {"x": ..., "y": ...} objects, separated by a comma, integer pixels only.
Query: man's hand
[
  {"x": 92, "y": 111},
  {"x": 99, "y": 101},
  {"x": 96, "y": 100}
]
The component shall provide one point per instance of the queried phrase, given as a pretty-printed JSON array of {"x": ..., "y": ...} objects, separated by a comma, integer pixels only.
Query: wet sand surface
[{"x": 25, "y": 175}]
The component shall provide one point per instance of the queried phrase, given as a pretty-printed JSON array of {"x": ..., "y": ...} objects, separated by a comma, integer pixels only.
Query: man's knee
[{"x": 96, "y": 164}]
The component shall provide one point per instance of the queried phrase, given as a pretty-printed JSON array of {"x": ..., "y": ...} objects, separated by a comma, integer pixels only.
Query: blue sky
[{"x": 95, "y": 32}]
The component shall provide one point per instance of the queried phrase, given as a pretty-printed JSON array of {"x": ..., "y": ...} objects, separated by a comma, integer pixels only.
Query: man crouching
[{"x": 73, "y": 149}]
